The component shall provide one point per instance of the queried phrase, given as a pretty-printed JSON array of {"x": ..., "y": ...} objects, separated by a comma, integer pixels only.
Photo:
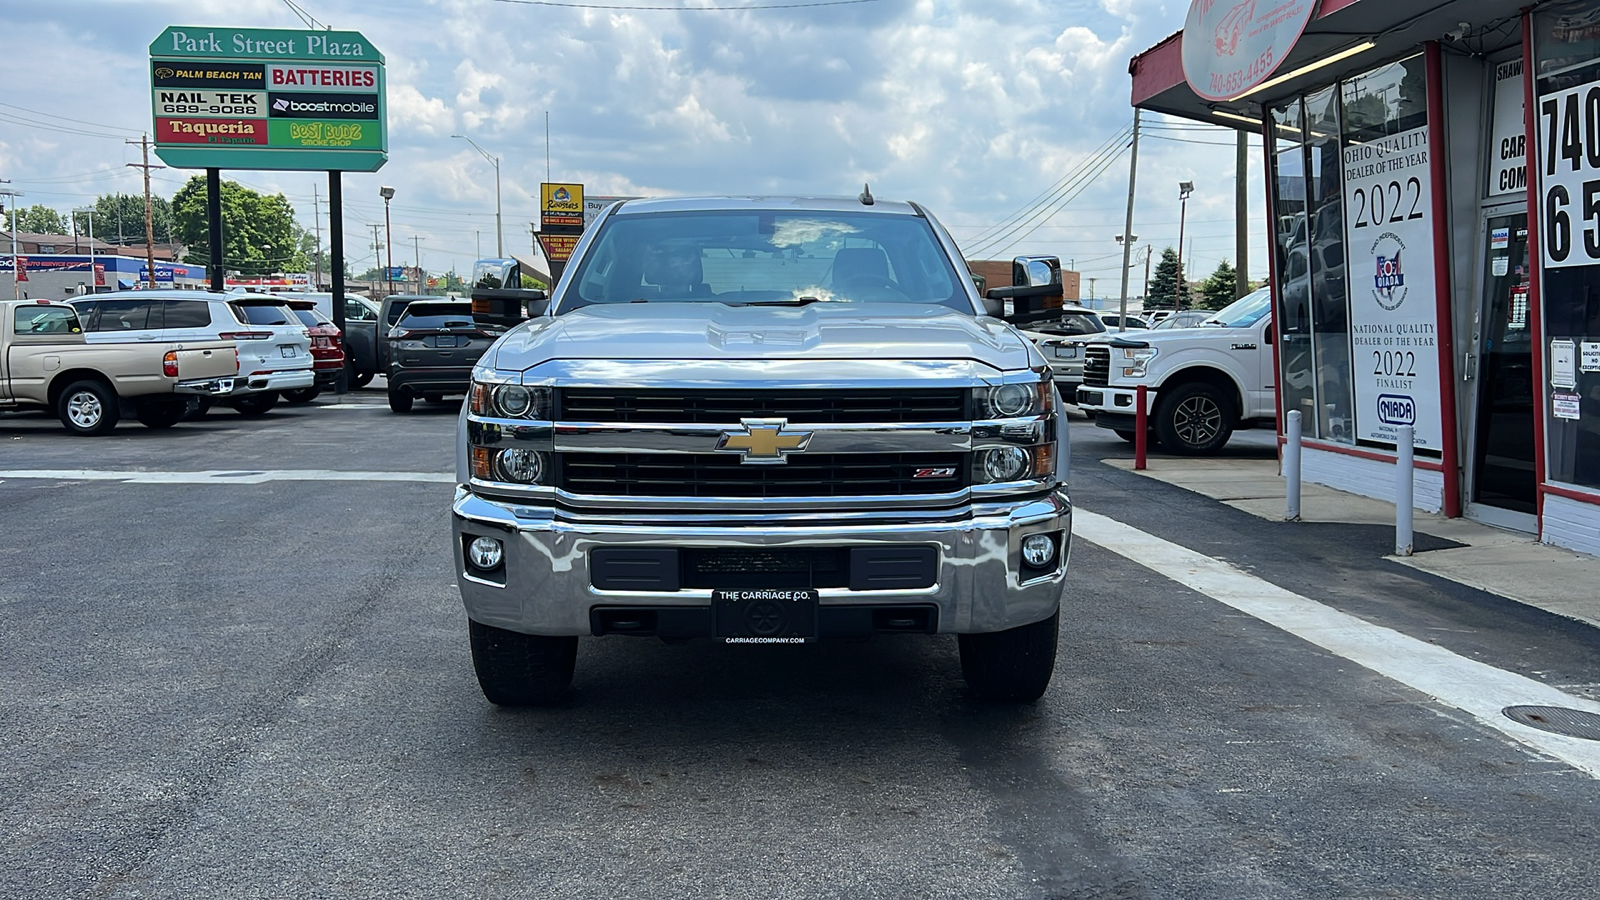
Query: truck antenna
[{"x": 866, "y": 195}]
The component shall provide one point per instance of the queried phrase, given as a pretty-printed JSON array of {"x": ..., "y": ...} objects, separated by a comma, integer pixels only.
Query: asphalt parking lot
[{"x": 236, "y": 665}]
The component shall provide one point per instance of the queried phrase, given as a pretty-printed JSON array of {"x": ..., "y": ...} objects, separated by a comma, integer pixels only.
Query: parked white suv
[
  {"x": 1204, "y": 382},
  {"x": 274, "y": 348}
]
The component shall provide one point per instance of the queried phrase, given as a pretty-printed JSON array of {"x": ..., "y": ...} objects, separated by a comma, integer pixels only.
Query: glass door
[{"x": 1502, "y": 481}]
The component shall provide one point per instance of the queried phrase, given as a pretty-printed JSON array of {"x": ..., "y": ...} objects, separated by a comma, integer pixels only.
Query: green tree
[
  {"x": 119, "y": 219},
  {"x": 1163, "y": 290},
  {"x": 1217, "y": 291},
  {"x": 40, "y": 219},
  {"x": 258, "y": 230}
]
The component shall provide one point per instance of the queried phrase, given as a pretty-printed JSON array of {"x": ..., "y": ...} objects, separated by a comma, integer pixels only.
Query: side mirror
[
  {"x": 1035, "y": 271},
  {"x": 537, "y": 303},
  {"x": 994, "y": 306}
]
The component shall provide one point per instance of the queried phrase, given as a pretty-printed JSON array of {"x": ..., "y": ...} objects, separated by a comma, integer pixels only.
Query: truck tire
[
  {"x": 516, "y": 669},
  {"x": 88, "y": 407},
  {"x": 302, "y": 395},
  {"x": 1194, "y": 419},
  {"x": 256, "y": 404},
  {"x": 1015, "y": 664},
  {"x": 162, "y": 412},
  {"x": 400, "y": 400}
]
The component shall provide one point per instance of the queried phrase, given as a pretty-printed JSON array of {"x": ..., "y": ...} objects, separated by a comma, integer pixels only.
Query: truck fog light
[
  {"x": 1005, "y": 463},
  {"x": 521, "y": 466},
  {"x": 485, "y": 553},
  {"x": 1038, "y": 550}
]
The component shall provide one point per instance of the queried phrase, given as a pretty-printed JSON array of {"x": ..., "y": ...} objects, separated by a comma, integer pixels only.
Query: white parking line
[
  {"x": 224, "y": 476},
  {"x": 1473, "y": 687}
]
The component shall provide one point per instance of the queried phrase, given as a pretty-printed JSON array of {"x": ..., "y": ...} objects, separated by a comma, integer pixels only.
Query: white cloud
[{"x": 975, "y": 107}]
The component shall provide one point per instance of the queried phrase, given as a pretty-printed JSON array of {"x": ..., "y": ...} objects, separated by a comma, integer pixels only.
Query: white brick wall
[
  {"x": 1571, "y": 523},
  {"x": 1371, "y": 478}
]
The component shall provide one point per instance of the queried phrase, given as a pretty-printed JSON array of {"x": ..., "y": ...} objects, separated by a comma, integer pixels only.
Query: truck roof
[{"x": 759, "y": 202}]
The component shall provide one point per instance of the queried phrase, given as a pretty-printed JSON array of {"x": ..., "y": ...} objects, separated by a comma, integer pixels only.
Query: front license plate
[
  {"x": 286, "y": 349},
  {"x": 1066, "y": 353},
  {"x": 775, "y": 616}
]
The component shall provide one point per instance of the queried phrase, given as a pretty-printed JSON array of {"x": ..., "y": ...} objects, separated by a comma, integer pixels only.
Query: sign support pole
[
  {"x": 214, "y": 217},
  {"x": 336, "y": 260}
]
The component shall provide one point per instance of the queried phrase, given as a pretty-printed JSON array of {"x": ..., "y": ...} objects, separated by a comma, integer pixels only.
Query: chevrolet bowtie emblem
[{"x": 763, "y": 441}]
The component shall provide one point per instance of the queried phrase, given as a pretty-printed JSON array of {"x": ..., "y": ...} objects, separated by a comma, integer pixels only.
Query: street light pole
[
  {"x": 387, "y": 193},
  {"x": 499, "y": 232},
  {"x": 1185, "y": 188}
]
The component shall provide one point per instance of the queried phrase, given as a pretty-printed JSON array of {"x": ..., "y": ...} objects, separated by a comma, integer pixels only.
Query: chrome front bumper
[{"x": 547, "y": 587}]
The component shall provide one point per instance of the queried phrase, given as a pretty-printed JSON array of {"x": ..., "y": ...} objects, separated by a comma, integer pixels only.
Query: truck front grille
[
  {"x": 723, "y": 475},
  {"x": 808, "y": 407},
  {"x": 1097, "y": 365}
]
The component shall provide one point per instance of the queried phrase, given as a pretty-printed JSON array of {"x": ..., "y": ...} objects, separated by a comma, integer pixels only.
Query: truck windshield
[
  {"x": 1243, "y": 312},
  {"x": 766, "y": 257}
]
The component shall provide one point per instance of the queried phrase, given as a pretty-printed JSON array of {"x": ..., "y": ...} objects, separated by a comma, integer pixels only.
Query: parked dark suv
[{"x": 432, "y": 349}]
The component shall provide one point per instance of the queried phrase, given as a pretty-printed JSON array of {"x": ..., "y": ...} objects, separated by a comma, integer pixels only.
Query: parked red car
[{"x": 327, "y": 350}]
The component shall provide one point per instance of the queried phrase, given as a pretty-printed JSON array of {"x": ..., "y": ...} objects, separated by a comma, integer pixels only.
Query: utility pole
[
  {"x": 316, "y": 223},
  {"x": 1185, "y": 188},
  {"x": 149, "y": 215},
  {"x": 1127, "y": 236},
  {"x": 416, "y": 244},
  {"x": 88, "y": 211},
  {"x": 1148, "y": 248},
  {"x": 16, "y": 261},
  {"x": 1241, "y": 215},
  {"x": 377, "y": 251}
]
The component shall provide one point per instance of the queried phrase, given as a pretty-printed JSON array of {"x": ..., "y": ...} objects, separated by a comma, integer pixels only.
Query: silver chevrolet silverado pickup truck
[{"x": 762, "y": 421}]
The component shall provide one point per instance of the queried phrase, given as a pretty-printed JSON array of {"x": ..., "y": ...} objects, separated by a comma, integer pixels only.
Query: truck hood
[
  {"x": 712, "y": 332},
  {"x": 1199, "y": 335}
]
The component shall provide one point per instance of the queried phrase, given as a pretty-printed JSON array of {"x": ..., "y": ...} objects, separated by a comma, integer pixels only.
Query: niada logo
[
  {"x": 1388, "y": 280},
  {"x": 1396, "y": 409}
]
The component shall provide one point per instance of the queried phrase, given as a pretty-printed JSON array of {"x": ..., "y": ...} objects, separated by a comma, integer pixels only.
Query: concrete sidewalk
[{"x": 1510, "y": 564}]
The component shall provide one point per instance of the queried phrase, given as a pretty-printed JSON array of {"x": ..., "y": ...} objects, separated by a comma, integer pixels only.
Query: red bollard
[{"x": 1141, "y": 428}]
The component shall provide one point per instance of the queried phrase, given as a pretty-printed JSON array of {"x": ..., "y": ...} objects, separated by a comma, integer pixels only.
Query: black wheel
[
  {"x": 1127, "y": 434},
  {"x": 199, "y": 408},
  {"x": 1194, "y": 419},
  {"x": 162, "y": 412},
  {"x": 1015, "y": 664},
  {"x": 362, "y": 379},
  {"x": 256, "y": 404},
  {"x": 516, "y": 669},
  {"x": 400, "y": 400},
  {"x": 88, "y": 407},
  {"x": 302, "y": 395}
]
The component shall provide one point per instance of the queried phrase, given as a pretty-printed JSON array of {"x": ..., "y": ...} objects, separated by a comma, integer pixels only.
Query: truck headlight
[
  {"x": 1013, "y": 400},
  {"x": 1135, "y": 360},
  {"x": 520, "y": 466},
  {"x": 509, "y": 401},
  {"x": 1005, "y": 464}
]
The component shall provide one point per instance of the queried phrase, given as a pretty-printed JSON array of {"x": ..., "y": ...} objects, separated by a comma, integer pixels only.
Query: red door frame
[
  {"x": 1532, "y": 172},
  {"x": 1449, "y": 449}
]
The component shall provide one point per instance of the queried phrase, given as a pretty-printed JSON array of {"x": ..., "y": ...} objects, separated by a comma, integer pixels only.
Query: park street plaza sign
[
  {"x": 1230, "y": 46},
  {"x": 255, "y": 98}
]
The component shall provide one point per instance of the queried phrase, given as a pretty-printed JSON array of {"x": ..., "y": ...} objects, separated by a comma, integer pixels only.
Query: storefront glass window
[
  {"x": 1330, "y": 321},
  {"x": 1297, "y": 386},
  {"x": 1566, "y": 43}
]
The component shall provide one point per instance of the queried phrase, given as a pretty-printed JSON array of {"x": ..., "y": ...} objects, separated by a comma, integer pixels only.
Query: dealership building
[{"x": 1433, "y": 179}]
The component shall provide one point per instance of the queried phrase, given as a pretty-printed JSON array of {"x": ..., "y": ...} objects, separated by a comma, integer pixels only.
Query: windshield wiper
[{"x": 795, "y": 301}]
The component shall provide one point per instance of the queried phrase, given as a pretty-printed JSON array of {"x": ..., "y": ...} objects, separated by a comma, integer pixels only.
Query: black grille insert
[
  {"x": 721, "y": 407},
  {"x": 723, "y": 475},
  {"x": 1097, "y": 365}
]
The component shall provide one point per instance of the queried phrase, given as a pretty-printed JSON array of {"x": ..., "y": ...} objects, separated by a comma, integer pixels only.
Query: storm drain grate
[{"x": 1557, "y": 719}]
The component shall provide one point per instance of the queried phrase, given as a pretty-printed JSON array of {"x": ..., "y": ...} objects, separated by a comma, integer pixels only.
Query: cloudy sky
[{"x": 978, "y": 108}]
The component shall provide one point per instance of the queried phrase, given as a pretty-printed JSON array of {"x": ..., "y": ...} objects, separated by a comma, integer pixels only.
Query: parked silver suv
[{"x": 274, "y": 348}]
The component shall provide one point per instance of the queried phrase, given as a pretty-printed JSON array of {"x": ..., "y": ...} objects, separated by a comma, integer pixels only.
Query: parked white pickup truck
[
  {"x": 1203, "y": 382},
  {"x": 46, "y": 362}
]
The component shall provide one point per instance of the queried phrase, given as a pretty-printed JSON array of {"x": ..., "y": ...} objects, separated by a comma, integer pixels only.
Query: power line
[
  {"x": 1073, "y": 186},
  {"x": 1044, "y": 196}
]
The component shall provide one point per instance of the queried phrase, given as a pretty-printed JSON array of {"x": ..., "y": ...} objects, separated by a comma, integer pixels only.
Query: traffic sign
[{"x": 257, "y": 98}]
